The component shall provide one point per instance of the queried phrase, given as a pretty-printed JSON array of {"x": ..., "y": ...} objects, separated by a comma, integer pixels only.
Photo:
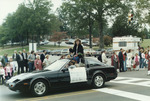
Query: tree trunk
[
  {"x": 101, "y": 36},
  {"x": 27, "y": 38}
]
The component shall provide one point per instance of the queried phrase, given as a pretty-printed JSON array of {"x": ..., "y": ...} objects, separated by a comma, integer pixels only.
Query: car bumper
[
  {"x": 112, "y": 76},
  {"x": 17, "y": 87}
]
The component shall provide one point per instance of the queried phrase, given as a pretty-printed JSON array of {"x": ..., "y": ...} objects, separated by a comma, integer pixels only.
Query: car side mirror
[{"x": 64, "y": 69}]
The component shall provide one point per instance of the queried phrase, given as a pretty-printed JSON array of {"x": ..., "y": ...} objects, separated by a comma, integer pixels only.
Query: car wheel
[
  {"x": 39, "y": 88},
  {"x": 98, "y": 81}
]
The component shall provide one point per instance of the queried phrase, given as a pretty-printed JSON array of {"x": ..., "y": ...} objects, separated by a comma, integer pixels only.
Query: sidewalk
[{"x": 142, "y": 73}]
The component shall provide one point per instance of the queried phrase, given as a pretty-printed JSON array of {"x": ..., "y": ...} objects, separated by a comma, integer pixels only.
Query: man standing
[
  {"x": 43, "y": 56},
  {"x": 121, "y": 60},
  {"x": 25, "y": 61},
  {"x": 31, "y": 59},
  {"x": 20, "y": 62},
  {"x": 4, "y": 60},
  {"x": 104, "y": 58},
  {"x": 14, "y": 55},
  {"x": 140, "y": 55}
]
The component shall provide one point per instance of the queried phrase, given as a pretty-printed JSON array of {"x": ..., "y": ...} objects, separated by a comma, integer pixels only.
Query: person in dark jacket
[
  {"x": 14, "y": 56},
  {"x": 43, "y": 56},
  {"x": 4, "y": 59},
  {"x": 25, "y": 59},
  {"x": 115, "y": 60},
  {"x": 78, "y": 50},
  {"x": 19, "y": 59},
  {"x": 121, "y": 60}
]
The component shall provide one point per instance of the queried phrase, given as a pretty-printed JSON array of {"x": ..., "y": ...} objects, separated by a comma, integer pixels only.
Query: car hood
[{"x": 24, "y": 76}]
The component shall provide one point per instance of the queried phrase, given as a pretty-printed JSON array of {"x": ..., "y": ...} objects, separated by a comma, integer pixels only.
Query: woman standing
[
  {"x": 125, "y": 60},
  {"x": 146, "y": 60},
  {"x": 137, "y": 61},
  {"x": 46, "y": 61},
  {"x": 115, "y": 60},
  {"x": 143, "y": 58},
  {"x": 38, "y": 63},
  {"x": 78, "y": 50},
  {"x": 129, "y": 59},
  {"x": 148, "y": 57}
]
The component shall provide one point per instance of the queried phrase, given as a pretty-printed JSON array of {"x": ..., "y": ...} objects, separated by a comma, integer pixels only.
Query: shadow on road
[{"x": 10, "y": 95}]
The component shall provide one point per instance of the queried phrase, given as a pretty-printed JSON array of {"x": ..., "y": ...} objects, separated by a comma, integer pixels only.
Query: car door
[{"x": 64, "y": 77}]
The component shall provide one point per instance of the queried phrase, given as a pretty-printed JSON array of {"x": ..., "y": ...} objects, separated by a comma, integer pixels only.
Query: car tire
[
  {"x": 98, "y": 81},
  {"x": 39, "y": 88}
]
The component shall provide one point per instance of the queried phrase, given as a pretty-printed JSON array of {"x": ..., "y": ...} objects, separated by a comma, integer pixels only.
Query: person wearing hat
[{"x": 78, "y": 50}]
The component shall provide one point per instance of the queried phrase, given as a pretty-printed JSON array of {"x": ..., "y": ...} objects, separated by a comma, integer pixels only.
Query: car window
[
  {"x": 57, "y": 65},
  {"x": 94, "y": 62}
]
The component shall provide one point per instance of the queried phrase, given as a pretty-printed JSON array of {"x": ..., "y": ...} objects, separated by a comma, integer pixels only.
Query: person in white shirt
[
  {"x": 13, "y": 65},
  {"x": 104, "y": 58},
  {"x": 2, "y": 74},
  {"x": 129, "y": 59},
  {"x": 46, "y": 61},
  {"x": 143, "y": 59}
]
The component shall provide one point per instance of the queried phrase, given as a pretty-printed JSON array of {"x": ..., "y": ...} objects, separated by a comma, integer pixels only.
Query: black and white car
[{"x": 60, "y": 74}]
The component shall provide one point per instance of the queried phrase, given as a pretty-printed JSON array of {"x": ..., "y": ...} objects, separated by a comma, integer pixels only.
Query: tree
[
  {"x": 32, "y": 20},
  {"x": 107, "y": 40},
  {"x": 58, "y": 36},
  {"x": 99, "y": 10}
]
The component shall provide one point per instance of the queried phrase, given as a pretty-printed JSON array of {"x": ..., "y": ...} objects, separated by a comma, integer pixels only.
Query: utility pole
[{"x": 90, "y": 31}]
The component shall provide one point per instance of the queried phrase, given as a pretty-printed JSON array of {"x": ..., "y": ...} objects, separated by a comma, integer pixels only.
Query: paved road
[{"x": 129, "y": 86}]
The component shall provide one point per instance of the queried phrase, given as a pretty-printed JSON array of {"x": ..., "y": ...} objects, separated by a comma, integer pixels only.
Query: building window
[{"x": 122, "y": 44}]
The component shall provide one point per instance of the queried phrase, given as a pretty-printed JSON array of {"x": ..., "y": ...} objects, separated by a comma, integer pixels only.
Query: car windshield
[
  {"x": 94, "y": 62},
  {"x": 57, "y": 65}
]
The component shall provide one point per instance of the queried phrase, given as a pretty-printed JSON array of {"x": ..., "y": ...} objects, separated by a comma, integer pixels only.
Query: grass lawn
[
  {"x": 9, "y": 50},
  {"x": 145, "y": 43}
]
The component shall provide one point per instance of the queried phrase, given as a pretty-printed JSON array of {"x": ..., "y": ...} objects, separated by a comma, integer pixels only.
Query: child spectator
[
  {"x": 12, "y": 64},
  {"x": 2, "y": 74},
  {"x": 8, "y": 71}
]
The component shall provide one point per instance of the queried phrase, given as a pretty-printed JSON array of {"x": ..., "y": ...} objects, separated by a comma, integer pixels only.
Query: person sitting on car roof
[{"x": 78, "y": 50}]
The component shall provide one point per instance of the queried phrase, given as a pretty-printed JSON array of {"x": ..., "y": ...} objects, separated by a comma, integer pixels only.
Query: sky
[{"x": 10, "y": 6}]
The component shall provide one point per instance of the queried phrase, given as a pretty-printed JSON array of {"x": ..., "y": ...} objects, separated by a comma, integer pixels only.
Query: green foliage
[
  {"x": 81, "y": 15},
  {"x": 107, "y": 40},
  {"x": 32, "y": 20}
]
